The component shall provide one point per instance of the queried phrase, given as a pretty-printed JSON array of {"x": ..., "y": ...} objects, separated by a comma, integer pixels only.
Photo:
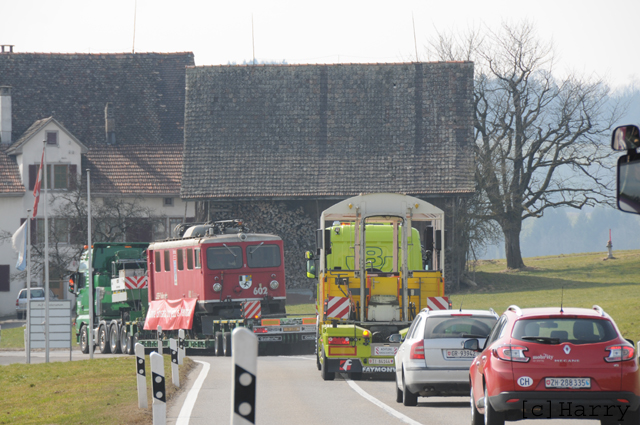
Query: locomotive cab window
[
  {"x": 196, "y": 257},
  {"x": 180, "y": 259},
  {"x": 167, "y": 261},
  {"x": 224, "y": 257},
  {"x": 189, "y": 259},
  {"x": 263, "y": 255},
  {"x": 157, "y": 261}
]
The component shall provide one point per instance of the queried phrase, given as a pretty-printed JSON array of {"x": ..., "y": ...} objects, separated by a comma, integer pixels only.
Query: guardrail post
[
  {"x": 243, "y": 379},
  {"x": 142, "y": 377},
  {"x": 175, "y": 372},
  {"x": 180, "y": 346},
  {"x": 159, "y": 394}
]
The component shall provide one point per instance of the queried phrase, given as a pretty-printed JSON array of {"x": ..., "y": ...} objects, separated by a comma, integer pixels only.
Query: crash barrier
[
  {"x": 243, "y": 376},
  {"x": 159, "y": 393},
  {"x": 142, "y": 376},
  {"x": 175, "y": 373}
]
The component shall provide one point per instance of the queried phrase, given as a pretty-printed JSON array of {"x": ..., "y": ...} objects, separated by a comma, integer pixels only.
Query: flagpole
[
  {"x": 46, "y": 257},
  {"x": 89, "y": 280},
  {"x": 28, "y": 344}
]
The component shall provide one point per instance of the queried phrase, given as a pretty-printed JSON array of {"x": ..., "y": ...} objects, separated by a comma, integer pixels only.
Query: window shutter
[
  {"x": 33, "y": 172},
  {"x": 73, "y": 176},
  {"x": 5, "y": 284}
]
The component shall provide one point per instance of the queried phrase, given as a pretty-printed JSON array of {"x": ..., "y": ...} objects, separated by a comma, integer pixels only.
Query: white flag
[{"x": 19, "y": 242}]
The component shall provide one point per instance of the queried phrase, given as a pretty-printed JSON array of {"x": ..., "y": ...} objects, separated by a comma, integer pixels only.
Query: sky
[{"x": 596, "y": 39}]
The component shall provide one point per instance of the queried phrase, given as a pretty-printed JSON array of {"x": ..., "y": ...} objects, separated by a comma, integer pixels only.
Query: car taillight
[
  {"x": 618, "y": 353},
  {"x": 17, "y": 303},
  {"x": 511, "y": 353},
  {"x": 259, "y": 330},
  {"x": 417, "y": 351},
  {"x": 338, "y": 340}
]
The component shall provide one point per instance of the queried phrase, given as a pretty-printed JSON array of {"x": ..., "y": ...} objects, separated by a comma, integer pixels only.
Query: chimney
[
  {"x": 110, "y": 124},
  {"x": 5, "y": 115},
  {"x": 8, "y": 47}
]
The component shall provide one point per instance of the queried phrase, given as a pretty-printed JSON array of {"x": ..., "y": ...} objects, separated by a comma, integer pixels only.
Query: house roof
[
  {"x": 16, "y": 147},
  {"x": 146, "y": 90},
  {"x": 274, "y": 131},
  {"x": 10, "y": 182},
  {"x": 134, "y": 169}
]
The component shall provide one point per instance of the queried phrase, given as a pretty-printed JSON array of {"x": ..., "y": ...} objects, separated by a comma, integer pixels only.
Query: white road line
[
  {"x": 374, "y": 400},
  {"x": 380, "y": 404},
  {"x": 190, "y": 401}
]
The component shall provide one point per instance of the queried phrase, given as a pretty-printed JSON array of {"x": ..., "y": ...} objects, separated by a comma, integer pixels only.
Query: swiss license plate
[
  {"x": 291, "y": 328},
  {"x": 567, "y": 382},
  {"x": 459, "y": 354}
]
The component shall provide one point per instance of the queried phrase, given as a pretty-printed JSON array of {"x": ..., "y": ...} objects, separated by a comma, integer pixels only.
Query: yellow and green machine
[{"x": 374, "y": 274}]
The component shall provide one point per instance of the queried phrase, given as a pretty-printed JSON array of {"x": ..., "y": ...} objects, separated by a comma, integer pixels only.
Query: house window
[
  {"x": 4, "y": 278},
  {"x": 168, "y": 202},
  {"x": 59, "y": 175},
  {"x": 58, "y": 231},
  {"x": 51, "y": 137}
]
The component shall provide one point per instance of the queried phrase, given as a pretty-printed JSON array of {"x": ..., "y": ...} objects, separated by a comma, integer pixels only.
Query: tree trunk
[{"x": 511, "y": 230}]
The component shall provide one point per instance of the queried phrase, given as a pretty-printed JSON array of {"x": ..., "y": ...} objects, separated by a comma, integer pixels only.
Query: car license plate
[
  {"x": 567, "y": 382},
  {"x": 459, "y": 354},
  {"x": 291, "y": 328}
]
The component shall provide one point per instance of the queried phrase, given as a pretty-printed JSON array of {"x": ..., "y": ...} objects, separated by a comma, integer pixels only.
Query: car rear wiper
[{"x": 542, "y": 339}]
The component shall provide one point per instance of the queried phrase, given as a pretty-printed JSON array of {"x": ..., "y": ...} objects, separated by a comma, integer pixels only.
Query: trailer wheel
[
  {"x": 84, "y": 340},
  {"x": 125, "y": 342},
  {"x": 103, "y": 339},
  {"x": 114, "y": 338},
  {"x": 134, "y": 341},
  {"x": 227, "y": 344},
  {"x": 218, "y": 344},
  {"x": 327, "y": 376}
]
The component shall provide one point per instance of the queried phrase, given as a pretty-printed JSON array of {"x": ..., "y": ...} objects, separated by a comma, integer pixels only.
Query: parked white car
[
  {"x": 432, "y": 360},
  {"x": 37, "y": 294}
]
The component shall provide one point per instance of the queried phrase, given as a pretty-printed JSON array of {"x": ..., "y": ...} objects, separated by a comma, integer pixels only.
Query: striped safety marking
[
  {"x": 338, "y": 307},
  {"x": 438, "y": 303},
  {"x": 252, "y": 309},
  {"x": 135, "y": 282}
]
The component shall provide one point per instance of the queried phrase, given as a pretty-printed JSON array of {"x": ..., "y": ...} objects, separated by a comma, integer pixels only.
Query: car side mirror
[
  {"x": 625, "y": 138},
  {"x": 472, "y": 344},
  {"x": 395, "y": 338}
]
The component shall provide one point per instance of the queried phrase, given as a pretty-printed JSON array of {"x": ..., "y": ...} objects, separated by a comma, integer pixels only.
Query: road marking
[
  {"x": 185, "y": 413},
  {"x": 380, "y": 404}
]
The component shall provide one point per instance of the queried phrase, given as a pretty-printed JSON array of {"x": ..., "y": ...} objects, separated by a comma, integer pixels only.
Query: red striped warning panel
[
  {"x": 135, "y": 282},
  {"x": 338, "y": 307},
  {"x": 252, "y": 310},
  {"x": 438, "y": 303}
]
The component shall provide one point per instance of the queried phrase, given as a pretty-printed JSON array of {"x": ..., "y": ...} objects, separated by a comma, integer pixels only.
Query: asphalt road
[{"x": 291, "y": 392}]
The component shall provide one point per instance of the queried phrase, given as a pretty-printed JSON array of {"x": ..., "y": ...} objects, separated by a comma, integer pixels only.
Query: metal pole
[
  {"x": 28, "y": 342},
  {"x": 46, "y": 258},
  {"x": 89, "y": 280}
]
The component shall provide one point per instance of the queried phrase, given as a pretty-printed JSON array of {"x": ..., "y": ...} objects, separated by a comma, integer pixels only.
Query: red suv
[{"x": 541, "y": 363}]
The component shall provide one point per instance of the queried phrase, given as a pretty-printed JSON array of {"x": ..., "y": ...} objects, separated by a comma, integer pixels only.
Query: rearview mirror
[
  {"x": 626, "y": 137},
  {"x": 628, "y": 191}
]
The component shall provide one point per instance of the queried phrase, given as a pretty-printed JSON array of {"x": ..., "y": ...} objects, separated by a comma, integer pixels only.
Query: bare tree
[
  {"x": 541, "y": 142},
  {"x": 114, "y": 219}
]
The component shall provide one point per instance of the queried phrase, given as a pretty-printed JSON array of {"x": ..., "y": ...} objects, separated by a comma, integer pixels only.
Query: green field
[{"x": 100, "y": 391}]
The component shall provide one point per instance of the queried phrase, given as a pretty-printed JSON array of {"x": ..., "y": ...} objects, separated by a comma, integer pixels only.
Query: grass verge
[{"x": 100, "y": 391}]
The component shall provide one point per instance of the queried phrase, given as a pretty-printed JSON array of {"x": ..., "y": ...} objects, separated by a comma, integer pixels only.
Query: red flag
[{"x": 36, "y": 189}]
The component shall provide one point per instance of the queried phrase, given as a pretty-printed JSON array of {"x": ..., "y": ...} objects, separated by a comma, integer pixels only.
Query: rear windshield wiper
[{"x": 542, "y": 339}]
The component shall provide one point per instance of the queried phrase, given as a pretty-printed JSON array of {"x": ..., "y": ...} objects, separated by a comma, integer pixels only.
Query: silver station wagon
[{"x": 432, "y": 360}]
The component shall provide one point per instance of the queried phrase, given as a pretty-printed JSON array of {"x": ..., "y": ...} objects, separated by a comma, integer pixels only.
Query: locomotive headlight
[
  {"x": 274, "y": 284},
  {"x": 217, "y": 287}
]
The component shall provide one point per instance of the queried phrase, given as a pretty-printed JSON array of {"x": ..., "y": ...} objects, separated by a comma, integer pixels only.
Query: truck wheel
[
  {"x": 114, "y": 338},
  {"x": 103, "y": 339},
  {"x": 84, "y": 340},
  {"x": 227, "y": 344},
  {"x": 218, "y": 344},
  {"x": 327, "y": 376},
  {"x": 125, "y": 343}
]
